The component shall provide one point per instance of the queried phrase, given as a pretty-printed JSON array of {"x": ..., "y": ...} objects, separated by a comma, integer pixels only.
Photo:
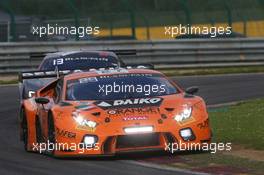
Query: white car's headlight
[
  {"x": 186, "y": 113},
  {"x": 84, "y": 122}
]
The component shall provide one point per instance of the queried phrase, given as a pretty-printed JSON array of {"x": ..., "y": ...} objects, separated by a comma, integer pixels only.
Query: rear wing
[
  {"x": 50, "y": 74},
  {"x": 41, "y": 74},
  {"x": 31, "y": 81}
]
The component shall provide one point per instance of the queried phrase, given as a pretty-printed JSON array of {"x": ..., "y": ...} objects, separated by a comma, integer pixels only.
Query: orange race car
[{"x": 103, "y": 112}]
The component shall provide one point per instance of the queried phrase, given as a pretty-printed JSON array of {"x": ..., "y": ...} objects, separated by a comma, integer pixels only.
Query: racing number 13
[{"x": 58, "y": 61}]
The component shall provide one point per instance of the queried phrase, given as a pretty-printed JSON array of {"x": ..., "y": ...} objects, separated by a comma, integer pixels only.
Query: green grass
[
  {"x": 13, "y": 81},
  {"x": 241, "y": 124},
  {"x": 213, "y": 71}
]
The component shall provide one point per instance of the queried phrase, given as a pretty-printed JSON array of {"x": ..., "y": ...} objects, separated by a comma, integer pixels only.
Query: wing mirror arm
[
  {"x": 42, "y": 101},
  {"x": 192, "y": 90}
]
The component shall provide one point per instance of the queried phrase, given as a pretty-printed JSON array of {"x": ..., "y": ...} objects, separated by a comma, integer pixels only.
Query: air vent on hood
[
  {"x": 96, "y": 114},
  {"x": 169, "y": 109}
]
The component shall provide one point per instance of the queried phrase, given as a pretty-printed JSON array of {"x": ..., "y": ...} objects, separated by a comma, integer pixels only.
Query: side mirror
[
  {"x": 42, "y": 100},
  {"x": 192, "y": 90}
]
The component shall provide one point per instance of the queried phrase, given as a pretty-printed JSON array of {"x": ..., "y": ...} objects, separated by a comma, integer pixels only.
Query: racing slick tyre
[
  {"x": 51, "y": 133},
  {"x": 24, "y": 127}
]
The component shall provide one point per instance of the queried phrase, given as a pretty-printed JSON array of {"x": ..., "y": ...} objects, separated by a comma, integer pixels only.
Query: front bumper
[{"x": 115, "y": 141}]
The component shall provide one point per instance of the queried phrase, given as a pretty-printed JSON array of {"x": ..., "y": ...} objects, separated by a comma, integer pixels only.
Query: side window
[
  {"x": 57, "y": 92},
  {"x": 46, "y": 64}
]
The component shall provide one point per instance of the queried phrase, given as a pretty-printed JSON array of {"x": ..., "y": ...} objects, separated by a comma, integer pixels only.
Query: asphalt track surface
[{"x": 14, "y": 160}]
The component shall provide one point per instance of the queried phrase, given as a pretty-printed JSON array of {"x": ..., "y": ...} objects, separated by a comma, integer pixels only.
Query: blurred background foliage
[{"x": 143, "y": 16}]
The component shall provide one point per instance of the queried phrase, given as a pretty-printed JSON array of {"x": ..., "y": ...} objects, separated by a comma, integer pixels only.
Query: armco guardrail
[{"x": 15, "y": 57}]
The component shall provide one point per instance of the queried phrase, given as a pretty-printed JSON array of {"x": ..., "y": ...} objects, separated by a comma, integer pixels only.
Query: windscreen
[
  {"x": 121, "y": 86},
  {"x": 79, "y": 61}
]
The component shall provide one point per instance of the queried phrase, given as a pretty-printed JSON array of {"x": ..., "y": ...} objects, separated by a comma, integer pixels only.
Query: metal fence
[{"x": 166, "y": 54}]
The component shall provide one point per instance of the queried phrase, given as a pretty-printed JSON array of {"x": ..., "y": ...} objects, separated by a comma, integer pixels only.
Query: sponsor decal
[
  {"x": 204, "y": 124},
  {"x": 127, "y": 75},
  {"x": 104, "y": 104},
  {"x": 82, "y": 123},
  {"x": 111, "y": 71},
  {"x": 187, "y": 121},
  {"x": 112, "y": 112},
  {"x": 86, "y": 58},
  {"x": 86, "y": 128},
  {"x": 61, "y": 61},
  {"x": 87, "y": 80},
  {"x": 130, "y": 103},
  {"x": 132, "y": 111},
  {"x": 132, "y": 118},
  {"x": 65, "y": 133}
]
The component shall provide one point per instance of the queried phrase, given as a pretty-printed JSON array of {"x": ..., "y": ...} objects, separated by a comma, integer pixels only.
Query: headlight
[
  {"x": 184, "y": 114},
  {"x": 90, "y": 140},
  {"x": 187, "y": 134},
  {"x": 84, "y": 122}
]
